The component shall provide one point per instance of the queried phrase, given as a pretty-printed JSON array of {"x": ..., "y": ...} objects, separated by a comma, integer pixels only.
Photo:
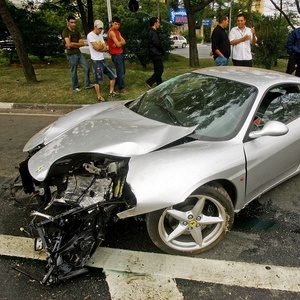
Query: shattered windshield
[{"x": 215, "y": 105}]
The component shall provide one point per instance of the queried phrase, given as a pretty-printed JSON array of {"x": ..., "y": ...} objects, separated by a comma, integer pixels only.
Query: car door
[{"x": 273, "y": 159}]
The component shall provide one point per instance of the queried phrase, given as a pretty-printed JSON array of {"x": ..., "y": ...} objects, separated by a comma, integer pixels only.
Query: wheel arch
[{"x": 227, "y": 186}]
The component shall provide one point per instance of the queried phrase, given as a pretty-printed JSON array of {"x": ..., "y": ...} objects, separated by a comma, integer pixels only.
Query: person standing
[
  {"x": 100, "y": 66},
  {"x": 293, "y": 50},
  {"x": 241, "y": 38},
  {"x": 220, "y": 42},
  {"x": 156, "y": 53},
  {"x": 115, "y": 48},
  {"x": 73, "y": 42}
]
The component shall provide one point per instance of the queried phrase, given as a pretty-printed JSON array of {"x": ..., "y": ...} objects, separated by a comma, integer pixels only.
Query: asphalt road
[{"x": 266, "y": 233}]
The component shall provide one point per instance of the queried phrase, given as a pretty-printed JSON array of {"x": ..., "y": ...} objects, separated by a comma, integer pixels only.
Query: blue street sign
[{"x": 207, "y": 22}]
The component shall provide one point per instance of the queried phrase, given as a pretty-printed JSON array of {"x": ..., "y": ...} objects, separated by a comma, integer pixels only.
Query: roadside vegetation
[
  {"x": 36, "y": 29},
  {"x": 54, "y": 82}
]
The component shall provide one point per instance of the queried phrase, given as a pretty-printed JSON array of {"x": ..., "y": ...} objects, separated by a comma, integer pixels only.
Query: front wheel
[{"x": 195, "y": 225}]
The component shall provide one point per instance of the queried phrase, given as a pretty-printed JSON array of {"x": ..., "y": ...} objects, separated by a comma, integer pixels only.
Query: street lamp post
[{"x": 109, "y": 11}]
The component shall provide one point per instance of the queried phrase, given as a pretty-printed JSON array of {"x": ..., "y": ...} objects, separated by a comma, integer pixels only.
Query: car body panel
[
  {"x": 66, "y": 122},
  {"x": 116, "y": 131},
  {"x": 181, "y": 170},
  {"x": 268, "y": 166}
]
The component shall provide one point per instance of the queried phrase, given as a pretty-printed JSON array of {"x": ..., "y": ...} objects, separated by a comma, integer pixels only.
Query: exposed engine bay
[{"x": 74, "y": 206}]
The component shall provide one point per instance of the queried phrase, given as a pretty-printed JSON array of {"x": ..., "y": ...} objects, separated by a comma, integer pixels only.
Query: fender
[{"x": 153, "y": 193}]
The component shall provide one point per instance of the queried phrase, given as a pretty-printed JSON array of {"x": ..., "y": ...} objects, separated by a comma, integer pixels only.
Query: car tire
[
  {"x": 183, "y": 45},
  {"x": 206, "y": 215}
]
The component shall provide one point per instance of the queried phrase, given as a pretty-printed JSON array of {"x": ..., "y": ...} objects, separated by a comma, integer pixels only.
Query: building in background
[{"x": 259, "y": 6}]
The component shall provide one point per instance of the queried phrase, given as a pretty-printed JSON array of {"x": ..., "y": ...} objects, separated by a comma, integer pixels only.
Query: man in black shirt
[
  {"x": 220, "y": 43},
  {"x": 156, "y": 52}
]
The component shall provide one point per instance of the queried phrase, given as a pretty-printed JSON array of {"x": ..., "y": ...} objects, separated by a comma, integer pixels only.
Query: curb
[{"x": 33, "y": 106}]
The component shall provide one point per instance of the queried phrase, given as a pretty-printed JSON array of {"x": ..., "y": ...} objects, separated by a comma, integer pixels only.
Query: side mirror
[{"x": 272, "y": 128}]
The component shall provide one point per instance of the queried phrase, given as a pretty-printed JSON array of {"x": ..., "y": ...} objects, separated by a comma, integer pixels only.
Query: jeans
[
  {"x": 74, "y": 60},
  {"x": 118, "y": 60},
  {"x": 221, "y": 61}
]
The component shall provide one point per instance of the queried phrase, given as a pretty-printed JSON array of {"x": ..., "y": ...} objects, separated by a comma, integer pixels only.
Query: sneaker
[
  {"x": 90, "y": 86},
  {"x": 77, "y": 90},
  {"x": 124, "y": 92},
  {"x": 113, "y": 95}
]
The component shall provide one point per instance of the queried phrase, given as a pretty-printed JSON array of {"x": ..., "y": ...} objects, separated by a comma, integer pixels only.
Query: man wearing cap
[
  {"x": 100, "y": 66},
  {"x": 73, "y": 42}
]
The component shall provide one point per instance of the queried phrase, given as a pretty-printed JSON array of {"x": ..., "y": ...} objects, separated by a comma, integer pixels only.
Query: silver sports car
[{"x": 187, "y": 154}]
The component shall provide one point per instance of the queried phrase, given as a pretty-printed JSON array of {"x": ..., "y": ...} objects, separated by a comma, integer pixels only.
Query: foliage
[
  {"x": 41, "y": 39},
  {"x": 270, "y": 44},
  {"x": 199, "y": 38}
]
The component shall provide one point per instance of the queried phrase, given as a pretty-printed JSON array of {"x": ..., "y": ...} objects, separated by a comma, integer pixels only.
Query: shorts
[{"x": 101, "y": 67}]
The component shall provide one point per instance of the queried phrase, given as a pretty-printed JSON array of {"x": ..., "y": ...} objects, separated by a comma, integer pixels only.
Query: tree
[
  {"x": 18, "y": 41},
  {"x": 270, "y": 45},
  {"x": 85, "y": 10},
  {"x": 192, "y": 7},
  {"x": 284, "y": 14}
]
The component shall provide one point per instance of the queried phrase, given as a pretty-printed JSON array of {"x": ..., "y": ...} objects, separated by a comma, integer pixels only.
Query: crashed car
[{"x": 185, "y": 156}]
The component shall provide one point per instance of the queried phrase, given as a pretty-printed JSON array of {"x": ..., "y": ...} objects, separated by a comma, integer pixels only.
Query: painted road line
[
  {"x": 123, "y": 286},
  {"x": 190, "y": 268}
]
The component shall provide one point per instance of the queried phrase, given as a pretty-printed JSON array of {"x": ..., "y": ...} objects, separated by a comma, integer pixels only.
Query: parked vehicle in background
[{"x": 179, "y": 41}]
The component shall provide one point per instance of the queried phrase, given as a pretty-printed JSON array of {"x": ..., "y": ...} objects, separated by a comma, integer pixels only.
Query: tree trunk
[
  {"x": 191, "y": 11},
  {"x": 83, "y": 17},
  {"x": 18, "y": 42},
  {"x": 193, "y": 51},
  {"x": 90, "y": 15}
]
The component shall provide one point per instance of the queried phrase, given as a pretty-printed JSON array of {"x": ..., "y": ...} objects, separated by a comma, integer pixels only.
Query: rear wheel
[
  {"x": 195, "y": 225},
  {"x": 183, "y": 45}
]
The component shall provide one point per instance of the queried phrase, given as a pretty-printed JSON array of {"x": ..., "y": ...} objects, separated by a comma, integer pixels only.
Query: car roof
[{"x": 261, "y": 78}]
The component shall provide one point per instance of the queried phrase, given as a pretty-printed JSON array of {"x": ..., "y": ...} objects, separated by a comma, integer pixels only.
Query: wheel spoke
[
  {"x": 179, "y": 230},
  {"x": 177, "y": 214},
  {"x": 211, "y": 220},
  {"x": 197, "y": 236},
  {"x": 197, "y": 210}
]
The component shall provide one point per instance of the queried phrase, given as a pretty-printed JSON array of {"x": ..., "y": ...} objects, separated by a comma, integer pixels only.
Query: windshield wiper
[{"x": 173, "y": 118}]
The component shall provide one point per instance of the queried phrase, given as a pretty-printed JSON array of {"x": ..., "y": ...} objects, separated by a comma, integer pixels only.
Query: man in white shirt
[
  {"x": 241, "y": 38},
  {"x": 100, "y": 66}
]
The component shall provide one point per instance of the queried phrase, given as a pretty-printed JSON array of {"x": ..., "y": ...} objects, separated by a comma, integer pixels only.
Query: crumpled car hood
[{"x": 106, "y": 128}]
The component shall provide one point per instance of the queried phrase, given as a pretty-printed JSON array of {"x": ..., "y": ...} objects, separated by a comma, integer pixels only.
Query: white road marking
[
  {"x": 190, "y": 268},
  {"x": 131, "y": 286}
]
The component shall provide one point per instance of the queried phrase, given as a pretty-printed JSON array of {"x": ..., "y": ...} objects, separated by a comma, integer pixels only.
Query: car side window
[
  {"x": 284, "y": 108},
  {"x": 280, "y": 104}
]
